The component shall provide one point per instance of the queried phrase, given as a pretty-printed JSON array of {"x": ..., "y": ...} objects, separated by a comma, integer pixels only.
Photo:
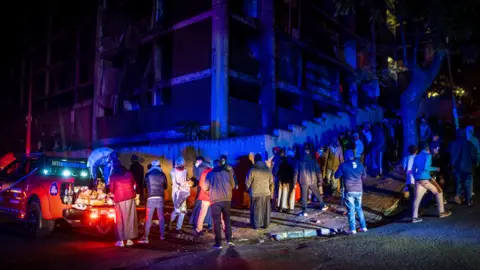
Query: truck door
[{"x": 12, "y": 195}]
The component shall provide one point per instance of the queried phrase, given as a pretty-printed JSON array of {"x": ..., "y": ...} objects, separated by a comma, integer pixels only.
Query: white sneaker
[
  {"x": 363, "y": 230},
  {"x": 130, "y": 243},
  {"x": 325, "y": 208},
  {"x": 162, "y": 237},
  {"x": 303, "y": 214},
  {"x": 143, "y": 241},
  {"x": 348, "y": 232},
  {"x": 231, "y": 243},
  {"x": 119, "y": 244}
]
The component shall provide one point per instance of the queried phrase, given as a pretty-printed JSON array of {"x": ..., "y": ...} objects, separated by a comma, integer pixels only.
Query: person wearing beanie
[
  {"x": 180, "y": 192},
  {"x": 422, "y": 167},
  {"x": 156, "y": 182},
  {"x": 352, "y": 174}
]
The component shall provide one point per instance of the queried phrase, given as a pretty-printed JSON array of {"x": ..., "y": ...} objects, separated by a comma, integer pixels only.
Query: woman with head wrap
[{"x": 122, "y": 185}]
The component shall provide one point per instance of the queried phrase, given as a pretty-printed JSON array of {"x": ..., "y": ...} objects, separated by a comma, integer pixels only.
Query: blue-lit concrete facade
[{"x": 233, "y": 68}]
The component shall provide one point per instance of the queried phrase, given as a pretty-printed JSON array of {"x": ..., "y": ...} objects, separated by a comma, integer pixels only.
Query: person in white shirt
[
  {"x": 358, "y": 147},
  {"x": 407, "y": 167},
  {"x": 180, "y": 192}
]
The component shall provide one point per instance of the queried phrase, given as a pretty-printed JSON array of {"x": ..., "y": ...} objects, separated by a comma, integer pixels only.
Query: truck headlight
[
  {"x": 66, "y": 173},
  {"x": 83, "y": 174}
]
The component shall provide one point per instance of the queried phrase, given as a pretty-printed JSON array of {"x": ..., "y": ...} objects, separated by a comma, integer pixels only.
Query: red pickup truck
[{"x": 38, "y": 191}]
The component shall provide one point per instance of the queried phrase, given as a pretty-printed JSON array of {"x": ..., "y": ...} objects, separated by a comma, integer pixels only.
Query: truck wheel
[{"x": 35, "y": 224}]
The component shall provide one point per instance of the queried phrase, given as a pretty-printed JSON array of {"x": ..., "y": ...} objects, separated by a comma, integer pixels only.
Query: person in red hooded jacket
[{"x": 122, "y": 185}]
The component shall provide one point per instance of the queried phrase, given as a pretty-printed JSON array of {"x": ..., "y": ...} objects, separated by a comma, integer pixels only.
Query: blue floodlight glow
[
  {"x": 45, "y": 171},
  {"x": 66, "y": 173},
  {"x": 83, "y": 174}
]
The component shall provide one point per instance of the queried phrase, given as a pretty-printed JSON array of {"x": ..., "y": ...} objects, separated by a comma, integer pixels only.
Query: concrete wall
[{"x": 240, "y": 150}]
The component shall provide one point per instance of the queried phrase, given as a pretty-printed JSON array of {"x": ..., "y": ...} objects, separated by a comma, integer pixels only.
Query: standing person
[
  {"x": 202, "y": 213},
  {"x": 220, "y": 183},
  {"x": 334, "y": 157},
  {"x": 463, "y": 156},
  {"x": 229, "y": 168},
  {"x": 343, "y": 141},
  {"x": 200, "y": 166},
  {"x": 122, "y": 185},
  {"x": 424, "y": 130},
  {"x": 470, "y": 136},
  {"x": 138, "y": 173},
  {"x": 286, "y": 173},
  {"x": 422, "y": 167},
  {"x": 408, "y": 167},
  {"x": 377, "y": 150},
  {"x": 273, "y": 164},
  {"x": 367, "y": 143},
  {"x": 180, "y": 192},
  {"x": 201, "y": 210},
  {"x": 156, "y": 182},
  {"x": 358, "y": 147},
  {"x": 309, "y": 177},
  {"x": 259, "y": 184},
  {"x": 353, "y": 173}
]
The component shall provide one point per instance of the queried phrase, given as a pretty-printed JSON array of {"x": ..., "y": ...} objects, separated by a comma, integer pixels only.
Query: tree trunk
[{"x": 412, "y": 98}]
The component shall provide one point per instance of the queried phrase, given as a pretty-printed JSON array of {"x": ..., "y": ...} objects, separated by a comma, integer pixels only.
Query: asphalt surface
[{"x": 450, "y": 243}]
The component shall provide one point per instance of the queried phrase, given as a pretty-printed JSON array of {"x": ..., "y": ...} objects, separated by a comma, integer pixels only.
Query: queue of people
[{"x": 337, "y": 169}]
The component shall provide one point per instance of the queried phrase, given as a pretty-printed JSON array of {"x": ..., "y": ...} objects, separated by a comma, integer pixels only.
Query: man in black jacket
[
  {"x": 156, "y": 183},
  {"x": 309, "y": 177},
  {"x": 463, "y": 156},
  {"x": 138, "y": 173}
]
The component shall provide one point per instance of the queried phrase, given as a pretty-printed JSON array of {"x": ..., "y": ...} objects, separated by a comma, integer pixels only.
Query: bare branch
[{"x": 434, "y": 67}]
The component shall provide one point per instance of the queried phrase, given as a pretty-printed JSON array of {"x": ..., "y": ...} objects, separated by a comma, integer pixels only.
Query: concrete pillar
[
  {"x": 157, "y": 53},
  {"x": 350, "y": 54},
  {"x": 99, "y": 69},
  {"x": 300, "y": 68},
  {"x": 251, "y": 8},
  {"x": 77, "y": 67},
  {"x": 219, "y": 89},
  {"x": 267, "y": 66},
  {"x": 49, "y": 54}
]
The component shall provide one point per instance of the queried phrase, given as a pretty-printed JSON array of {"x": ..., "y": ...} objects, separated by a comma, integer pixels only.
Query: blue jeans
[
  {"x": 353, "y": 202},
  {"x": 464, "y": 183}
]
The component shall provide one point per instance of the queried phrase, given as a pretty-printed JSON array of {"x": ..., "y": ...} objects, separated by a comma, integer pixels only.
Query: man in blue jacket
[
  {"x": 353, "y": 173},
  {"x": 422, "y": 167}
]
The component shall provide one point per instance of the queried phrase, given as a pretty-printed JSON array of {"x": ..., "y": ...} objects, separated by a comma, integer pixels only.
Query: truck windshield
[{"x": 66, "y": 168}]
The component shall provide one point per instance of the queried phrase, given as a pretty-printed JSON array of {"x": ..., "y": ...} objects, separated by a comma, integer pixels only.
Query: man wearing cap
[
  {"x": 353, "y": 173},
  {"x": 156, "y": 182},
  {"x": 138, "y": 173}
]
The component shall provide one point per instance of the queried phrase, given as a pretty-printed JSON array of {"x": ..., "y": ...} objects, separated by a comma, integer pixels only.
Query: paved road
[{"x": 451, "y": 243}]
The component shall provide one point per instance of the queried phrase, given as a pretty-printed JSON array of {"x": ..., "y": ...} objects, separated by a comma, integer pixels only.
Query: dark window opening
[{"x": 288, "y": 100}]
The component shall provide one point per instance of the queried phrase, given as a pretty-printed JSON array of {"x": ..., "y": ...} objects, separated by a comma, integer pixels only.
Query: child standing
[{"x": 407, "y": 167}]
